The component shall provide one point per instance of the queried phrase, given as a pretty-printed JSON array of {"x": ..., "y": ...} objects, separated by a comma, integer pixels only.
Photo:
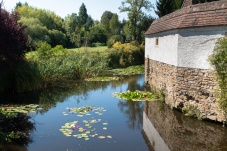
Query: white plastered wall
[
  {"x": 166, "y": 50},
  {"x": 189, "y": 47}
]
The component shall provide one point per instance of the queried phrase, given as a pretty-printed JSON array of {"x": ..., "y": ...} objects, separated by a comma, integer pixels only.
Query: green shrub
[
  {"x": 45, "y": 51},
  {"x": 219, "y": 61},
  {"x": 124, "y": 55},
  {"x": 113, "y": 39}
]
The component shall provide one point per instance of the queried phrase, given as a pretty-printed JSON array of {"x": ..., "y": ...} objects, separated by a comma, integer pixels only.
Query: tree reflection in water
[
  {"x": 22, "y": 125},
  {"x": 133, "y": 110},
  {"x": 15, "y": 130}
]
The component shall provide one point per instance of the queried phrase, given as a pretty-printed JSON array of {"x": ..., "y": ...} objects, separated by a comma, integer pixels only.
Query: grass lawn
[{"x": 99, "y": 49}]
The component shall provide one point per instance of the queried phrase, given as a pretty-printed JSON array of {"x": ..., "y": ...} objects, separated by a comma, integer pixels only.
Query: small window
[{"x": 156, "y": 41}]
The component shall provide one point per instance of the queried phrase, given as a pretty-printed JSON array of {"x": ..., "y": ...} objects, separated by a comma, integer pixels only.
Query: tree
[
  {"x": 83, "y": 16},
  {"x": 114, "y": 25},
  {"x": 105, "y": 21},
  {"x": 80, "y": 36},
  {"x": 165, "y": 7},
  {"x": 19, "y": 4},
  {"x": 97, "y": 34},
  {"x": 13, "y": 42},
  {"x": 143, "y": 25},
  {"x": 134, "y": 9},
  {"x": 13, "y": 46},
  {"x": 42, "y": 25}
]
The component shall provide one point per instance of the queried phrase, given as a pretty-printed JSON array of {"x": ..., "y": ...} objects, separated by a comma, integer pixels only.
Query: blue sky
[{"x": 62, "y": 8}]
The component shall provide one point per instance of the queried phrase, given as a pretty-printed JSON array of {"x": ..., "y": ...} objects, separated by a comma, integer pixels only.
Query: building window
[{"x": 156, "y": 41}]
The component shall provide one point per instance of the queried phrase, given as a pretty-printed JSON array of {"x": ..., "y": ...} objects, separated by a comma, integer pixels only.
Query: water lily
[{"x": 77, "y": 126}]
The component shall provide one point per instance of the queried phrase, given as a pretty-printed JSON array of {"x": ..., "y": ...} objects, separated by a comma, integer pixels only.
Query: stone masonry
[{"x": 185, "y": 87}]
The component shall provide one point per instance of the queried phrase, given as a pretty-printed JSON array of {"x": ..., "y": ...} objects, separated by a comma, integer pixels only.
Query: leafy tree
[
  {"x": 115, "y": 25},
  {"x": 105, "y": 21},
  {"x": 164, "y": 7},
  {"x": 97, "y": 34},
  {"x": 13, "y": 46},
  {"x": 135, "y": 13},
  {"x": 13, "y": 42},
  {"x": 80, "y": 36},
  {"x": 19, "y": 4},
  {"x": 35, "y": 30},
  {"x": 83, "y": 16},
  {"x": 143, "y": 25},
  {"x": 42, "y": 25},
  {"x": 88, "y": 23}
]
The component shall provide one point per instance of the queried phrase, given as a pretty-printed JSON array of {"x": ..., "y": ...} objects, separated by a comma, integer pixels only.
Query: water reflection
[
  {"x": 48, "y": 98},
  {"x": 53, "y": 102},
  {"x": 167, "y": 129},
  {"x": 15, "y": 131},
  {"x": 133, "y": 110}
]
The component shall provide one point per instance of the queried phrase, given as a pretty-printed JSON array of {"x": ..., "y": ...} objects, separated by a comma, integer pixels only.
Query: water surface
[
  {"x": 124, "y": 118},
  {"x": 133, "y": 126}
]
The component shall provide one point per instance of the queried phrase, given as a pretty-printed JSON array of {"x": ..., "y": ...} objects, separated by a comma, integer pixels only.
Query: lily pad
[
  {"x": 109, "y": 136},
  {"x": 101, "y": 137},
  {"x": 77, "y": 130}
]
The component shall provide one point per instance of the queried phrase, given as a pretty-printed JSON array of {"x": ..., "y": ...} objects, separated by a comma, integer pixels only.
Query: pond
[{"x": 86, "y": 117}]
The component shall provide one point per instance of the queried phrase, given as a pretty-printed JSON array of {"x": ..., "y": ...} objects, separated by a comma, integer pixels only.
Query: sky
[{"x": 62, "y": 8}]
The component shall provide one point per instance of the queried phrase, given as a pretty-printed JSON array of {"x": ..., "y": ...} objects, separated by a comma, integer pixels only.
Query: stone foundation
[{"x": 185, "y": 88}]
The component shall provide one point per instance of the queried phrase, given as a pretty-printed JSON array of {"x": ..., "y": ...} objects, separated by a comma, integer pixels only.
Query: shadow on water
[
  {"x": 48, "y": 98},
  {"x": 166, "y": 129}
]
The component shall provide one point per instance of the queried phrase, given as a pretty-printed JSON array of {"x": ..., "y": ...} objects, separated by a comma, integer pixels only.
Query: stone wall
[{"x": 186, "y": 88}]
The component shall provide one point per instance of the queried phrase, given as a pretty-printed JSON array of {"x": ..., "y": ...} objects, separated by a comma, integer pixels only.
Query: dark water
[{"x": 134, "y": 126}]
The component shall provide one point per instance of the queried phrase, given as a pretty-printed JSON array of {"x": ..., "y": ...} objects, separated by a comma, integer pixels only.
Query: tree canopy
[
  {"x": 165, "y": 7},
  {"x": 13, "y": 42},
  {"x": 135, "y": 8}
]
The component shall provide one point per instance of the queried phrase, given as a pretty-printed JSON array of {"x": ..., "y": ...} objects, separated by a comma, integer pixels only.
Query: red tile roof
[{"x": 200, "y": 15}]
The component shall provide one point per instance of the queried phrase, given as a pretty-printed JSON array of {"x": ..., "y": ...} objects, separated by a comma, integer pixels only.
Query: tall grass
[
  {"x": 73, "y": 66},
  {"x": 52, "y": 66},
  {"x": 21, "y": 77}
]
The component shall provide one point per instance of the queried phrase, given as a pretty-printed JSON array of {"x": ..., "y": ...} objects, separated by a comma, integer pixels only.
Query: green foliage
[
  {"x": 14, "y": 127},
  {"x": 138, "y": 96},
  {"x": 132, "y": 70},
  {"x": 45, "y": 51},
  {"x": 134, "y": 9},
  {"x": 97, "y": 34},
  {"x": 83, "y": 16},
  {"x": 73, "y": 66},
  {"x": 219, "y": 61},
  {"x": 42, "y": 25},
  {"x": 113, "y": 39},
  {"x": 191, "y": 111},
  {"x": 114, "y": 25},
  {"x": 124, "y": 55},
  {"x": 165, "y": 7},
  {"x": 105, "y": 21},
  {"x": 23, "y": 77},
  {"x": 103, "y": 79}
]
